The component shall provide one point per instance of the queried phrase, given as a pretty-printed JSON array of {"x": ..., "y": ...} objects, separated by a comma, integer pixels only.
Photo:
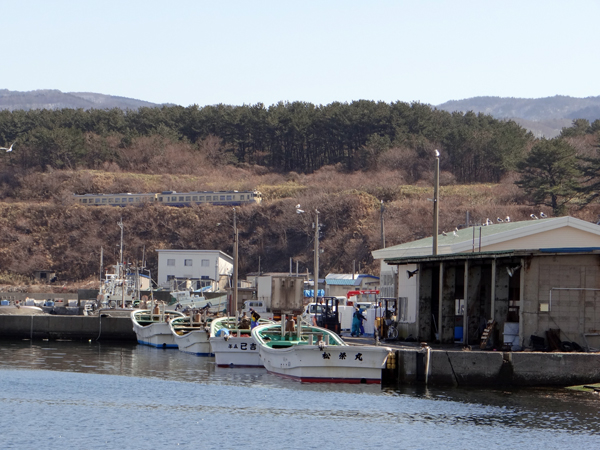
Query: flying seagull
[
  {"x": 411, "y": 274},
  {"x": 8, "y": 149}
]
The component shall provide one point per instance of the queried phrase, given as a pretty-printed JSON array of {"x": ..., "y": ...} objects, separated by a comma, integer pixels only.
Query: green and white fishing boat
[{"x": 318, "y": 355}]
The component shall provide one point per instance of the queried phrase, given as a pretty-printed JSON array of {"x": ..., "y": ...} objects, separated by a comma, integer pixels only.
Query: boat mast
[
  {"x": 101, "y": 268},
  {"x": 121, "y": 271}
]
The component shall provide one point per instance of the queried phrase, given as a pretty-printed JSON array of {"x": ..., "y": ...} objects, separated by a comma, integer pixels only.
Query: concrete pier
[
  {"x": 69, "y": 327},
  {"x": 485, "y": 368},
  {"x": 453, "y": 366}
]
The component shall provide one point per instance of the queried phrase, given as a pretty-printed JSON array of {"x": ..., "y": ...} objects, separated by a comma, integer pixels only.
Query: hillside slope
[{"x": 55, "y": 99}]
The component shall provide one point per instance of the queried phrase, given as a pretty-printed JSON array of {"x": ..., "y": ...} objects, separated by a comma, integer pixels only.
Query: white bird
[
  {"x": 499, "y": 220},
  {"x": 542, "y": 215},
  {"x": 299, "y": 211},
  {"x": 488, "y": 221},
  {"x": 455, "y": 233},
  {"x": 533, "y": 216},
  {"x": 437, "y": 154},
  {"x": 298, "y": 206},
  {"x": 444, "y": 233},
  {"x": 8, "y": 149},
  {"x": 507, "y": 219}
]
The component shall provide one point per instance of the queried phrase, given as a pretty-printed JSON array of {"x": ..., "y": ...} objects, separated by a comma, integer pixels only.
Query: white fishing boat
[
  {"x": 191, "y": 334},
  {"x": 189, "y": 300},
  {"x": 233, "y": 345},
  {"x": 152, "y": 327},
  {"x": 317, "y": 355},
  {"x": 120, "y": 289}
]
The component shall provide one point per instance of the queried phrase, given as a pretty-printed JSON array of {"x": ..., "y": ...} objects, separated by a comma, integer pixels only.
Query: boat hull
[
  {"x": 333, "y": 364},
  {"x": 236, "y": 351},
  {"x": 195, "y": 342},
  {"x": 156, "y": 334}
]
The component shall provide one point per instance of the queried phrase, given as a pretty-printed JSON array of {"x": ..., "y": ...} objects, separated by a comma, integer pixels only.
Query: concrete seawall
[
  {"x": 67, "y": 327},
  {"x": 482, "y": 368}
]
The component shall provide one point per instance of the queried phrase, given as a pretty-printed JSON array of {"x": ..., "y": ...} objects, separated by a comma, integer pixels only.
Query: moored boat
[
  {"x": 318, "y": 355},
  {"x": 233, "y": 345},
  {"x": 152, "y": 327},
  {"x": 191, "y": 334}
]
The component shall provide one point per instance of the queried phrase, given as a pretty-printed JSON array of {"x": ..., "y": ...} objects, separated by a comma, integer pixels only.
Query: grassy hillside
[{"x": 44, "y": 229}]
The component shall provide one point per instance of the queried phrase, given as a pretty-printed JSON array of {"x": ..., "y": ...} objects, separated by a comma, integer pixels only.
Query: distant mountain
[
  {"x": 55, "y": 99},
  {"x": 542, "y": 116}
]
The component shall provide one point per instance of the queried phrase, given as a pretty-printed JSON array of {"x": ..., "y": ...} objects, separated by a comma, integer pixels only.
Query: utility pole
[
  {"x": 382, "y": 226},
  {"x": 235, "y": 263}
]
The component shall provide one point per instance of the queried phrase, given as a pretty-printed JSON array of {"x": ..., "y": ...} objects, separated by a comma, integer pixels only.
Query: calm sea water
[{"x": 66, "y": 395}]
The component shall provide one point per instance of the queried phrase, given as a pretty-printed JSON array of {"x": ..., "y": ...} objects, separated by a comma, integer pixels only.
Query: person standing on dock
[
  {"x": 255, "y": 316},
  {"x": 356, "y": 322}
]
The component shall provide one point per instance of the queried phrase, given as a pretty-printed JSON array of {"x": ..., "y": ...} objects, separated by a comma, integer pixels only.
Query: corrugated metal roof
[{"x": 469, "y": 239}]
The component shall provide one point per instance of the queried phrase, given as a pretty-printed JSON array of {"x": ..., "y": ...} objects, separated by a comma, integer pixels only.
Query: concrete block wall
[
  {"x": 67, "y": 327},
  {"x": 477, "y": 368}
]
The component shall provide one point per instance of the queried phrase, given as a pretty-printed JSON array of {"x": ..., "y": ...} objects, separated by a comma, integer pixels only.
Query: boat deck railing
[{"x": 276, "y": 340}]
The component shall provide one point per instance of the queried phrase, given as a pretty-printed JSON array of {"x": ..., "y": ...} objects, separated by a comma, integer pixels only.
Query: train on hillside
[{"x": 171, "y": 198}]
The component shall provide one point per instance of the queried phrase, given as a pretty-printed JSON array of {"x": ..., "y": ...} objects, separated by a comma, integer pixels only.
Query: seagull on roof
[
  {"x": 542, "y": 215},
  {"x": 9, "y": 149},
  {"x": 533, "y": 216}
]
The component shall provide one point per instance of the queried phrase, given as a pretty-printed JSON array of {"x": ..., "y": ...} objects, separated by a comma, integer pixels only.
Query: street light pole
[
  {"x": 436, "y": 206},
  {"x": 316, "y": 269}
]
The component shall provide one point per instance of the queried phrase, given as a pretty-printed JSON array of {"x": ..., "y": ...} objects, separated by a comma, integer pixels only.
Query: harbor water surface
[{"x": 58, "y": 395}]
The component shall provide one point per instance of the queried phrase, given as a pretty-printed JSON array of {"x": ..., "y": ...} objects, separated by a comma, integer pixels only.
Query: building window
[
  {"x": 205, "y": 263},
  {"x": 170, "y": 262},
  {"x": 187, "y": 262}
]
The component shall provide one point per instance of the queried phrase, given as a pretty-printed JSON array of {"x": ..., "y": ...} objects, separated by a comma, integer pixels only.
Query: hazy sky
[{"x": 243, "y": 52}]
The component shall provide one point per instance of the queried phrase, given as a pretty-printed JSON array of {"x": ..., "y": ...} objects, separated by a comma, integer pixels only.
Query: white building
[{"x": 201, "y": 267}]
